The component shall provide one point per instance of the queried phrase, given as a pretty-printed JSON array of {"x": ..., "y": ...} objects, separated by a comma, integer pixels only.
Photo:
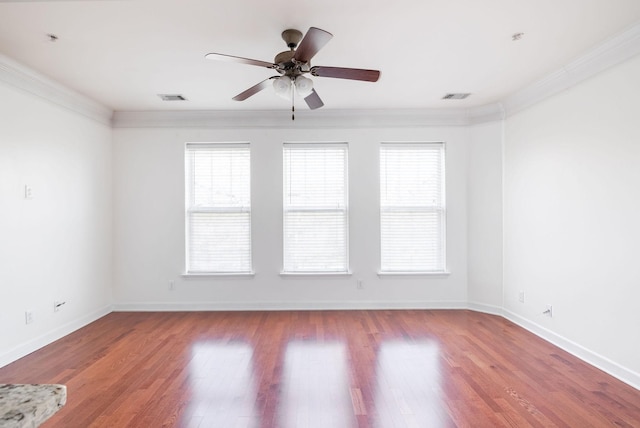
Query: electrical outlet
[
  {"x": 28, "y": 192},
  {"x": 360, "y": 284},
  {"x": 521, "y": 297},
  {"x": 28, "y": 317},
  {"x": 172, "y": 285}
]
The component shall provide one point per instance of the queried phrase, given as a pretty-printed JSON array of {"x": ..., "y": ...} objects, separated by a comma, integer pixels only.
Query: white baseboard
[
  {"x": 606, "y": 365},
  {"x": 486, "y": 309},
  {"x": 40, "y": 342},
  {"x": 614, "y": 369},
  {"x": 283, "y": 306}
]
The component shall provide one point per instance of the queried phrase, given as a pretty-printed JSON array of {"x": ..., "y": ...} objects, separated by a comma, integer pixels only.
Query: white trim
[
  {"x": 234, "y": 213},
  {"x": 614, "y": 369},
  {"x": 486, "y": 113},
  {"x": 603, "y": 56},
  {"x": 607, "y": 54},
  {"x": 485, "y": 309},
  {"x": 207, "y": 145},
  {"x": 385, "y": 274},
  {"x": 277, "y": 119},
  {"x": 294, "y": 154},
  {"x": 49, "y": 337},
  {"x": 274, "y": 119},
  {"x": 391, "y": 163},
  {"x": 305, "y": 145},
  {"x": 191, "y": 275},
  {"x": 287, "y": 274},
  {"x": 25, "y": 79},
  {"x": 285, "y": 306},
  {"x": 603, "y": 363}
]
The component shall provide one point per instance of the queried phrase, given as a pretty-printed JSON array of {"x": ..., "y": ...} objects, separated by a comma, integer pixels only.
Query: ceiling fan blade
[
  {"x": 313, "y": 100},
  {"x": 254, "y": 89},
  {"x": 312, "y": 42},
  {"x": 238, "y": 59},
  {"x": 346, "y": 73}
]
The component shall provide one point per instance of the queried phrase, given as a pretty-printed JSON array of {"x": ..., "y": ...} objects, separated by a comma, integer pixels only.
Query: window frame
[
  {"x": 440, "y": 208},
  {"x": 191, "y": 208},
  {"x": 285, "y": 271}
]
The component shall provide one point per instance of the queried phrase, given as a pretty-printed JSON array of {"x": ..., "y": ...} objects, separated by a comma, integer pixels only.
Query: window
[
  {"x": 412, "y": 207},
  {"x": 218, "y": 208},
  {"x": 315, "y": 208}
]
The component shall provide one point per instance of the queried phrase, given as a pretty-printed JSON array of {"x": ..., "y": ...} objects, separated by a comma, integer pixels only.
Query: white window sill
[
  {"x": 218, "y": 274},
  {"x": 316, "y": 274},
  {"x": 404, "y": 274}
]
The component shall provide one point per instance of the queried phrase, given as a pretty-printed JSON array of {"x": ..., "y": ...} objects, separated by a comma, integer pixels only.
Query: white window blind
[
  {"x": 412, "y": 207},
  {"x": 218, "y": 217},
  {"x": 315, "y": 207}
]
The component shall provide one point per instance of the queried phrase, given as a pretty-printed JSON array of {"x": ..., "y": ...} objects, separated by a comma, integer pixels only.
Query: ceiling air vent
[
  {"x": 456, "y": 96},
  {"x": 172, "y": 97}
]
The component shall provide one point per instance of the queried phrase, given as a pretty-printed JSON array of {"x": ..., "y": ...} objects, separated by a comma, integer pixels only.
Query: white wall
[
  {"x": 565, "y": 230},
  {"x": 571, "y": 225},
  {"x": 56, "y": 246},
  {"x": 149, "y": 225},
  {"x": 484, "y": 214}
]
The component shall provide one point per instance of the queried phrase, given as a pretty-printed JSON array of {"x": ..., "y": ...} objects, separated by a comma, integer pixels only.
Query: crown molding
[
  {"x": 485, "y": 113},
  {"x": 277, "y": 119},
  {"x": 607, "y": 54},
  {"x": 25, "y": 79}
]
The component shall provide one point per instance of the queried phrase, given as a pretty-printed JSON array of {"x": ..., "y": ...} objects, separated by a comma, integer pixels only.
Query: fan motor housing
[{"x": 284, "y": 59}]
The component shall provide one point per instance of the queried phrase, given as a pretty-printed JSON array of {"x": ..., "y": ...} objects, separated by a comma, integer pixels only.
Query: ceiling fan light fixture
[
  {"x": 282, "y": 85},
  {"x": 293, "y": 64},
  {"x": 304, "y": 86}
]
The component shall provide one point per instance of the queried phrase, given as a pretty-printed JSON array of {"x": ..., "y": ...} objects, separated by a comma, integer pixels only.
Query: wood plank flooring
[{"x": 324, "y": 369}]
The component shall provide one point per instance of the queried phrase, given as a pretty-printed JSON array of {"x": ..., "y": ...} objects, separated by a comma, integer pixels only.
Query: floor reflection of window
[
  {"x": 408, "y": 390},
  {"x": 315, "y": 387},
  {"x": 223, "y": 390}
]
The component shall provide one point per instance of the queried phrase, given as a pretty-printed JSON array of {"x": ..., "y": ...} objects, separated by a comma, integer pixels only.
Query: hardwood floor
[{"x": 321, "y": 369}]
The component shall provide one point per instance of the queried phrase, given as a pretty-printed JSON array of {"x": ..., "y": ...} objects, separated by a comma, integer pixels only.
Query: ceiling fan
[{"x": 294, "y": 64}]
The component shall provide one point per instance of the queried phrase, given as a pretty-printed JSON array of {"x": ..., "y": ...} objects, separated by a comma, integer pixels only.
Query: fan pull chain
[{"x": 293, "y": 108}]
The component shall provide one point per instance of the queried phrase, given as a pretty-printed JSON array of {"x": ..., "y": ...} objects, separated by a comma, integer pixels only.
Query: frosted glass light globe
[
  {"x": 282, "y": 86},
  {"x": 304, "y": 86}
]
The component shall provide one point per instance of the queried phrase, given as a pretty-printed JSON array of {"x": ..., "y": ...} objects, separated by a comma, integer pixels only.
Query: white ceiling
[{"x": 122, "y": 53}]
